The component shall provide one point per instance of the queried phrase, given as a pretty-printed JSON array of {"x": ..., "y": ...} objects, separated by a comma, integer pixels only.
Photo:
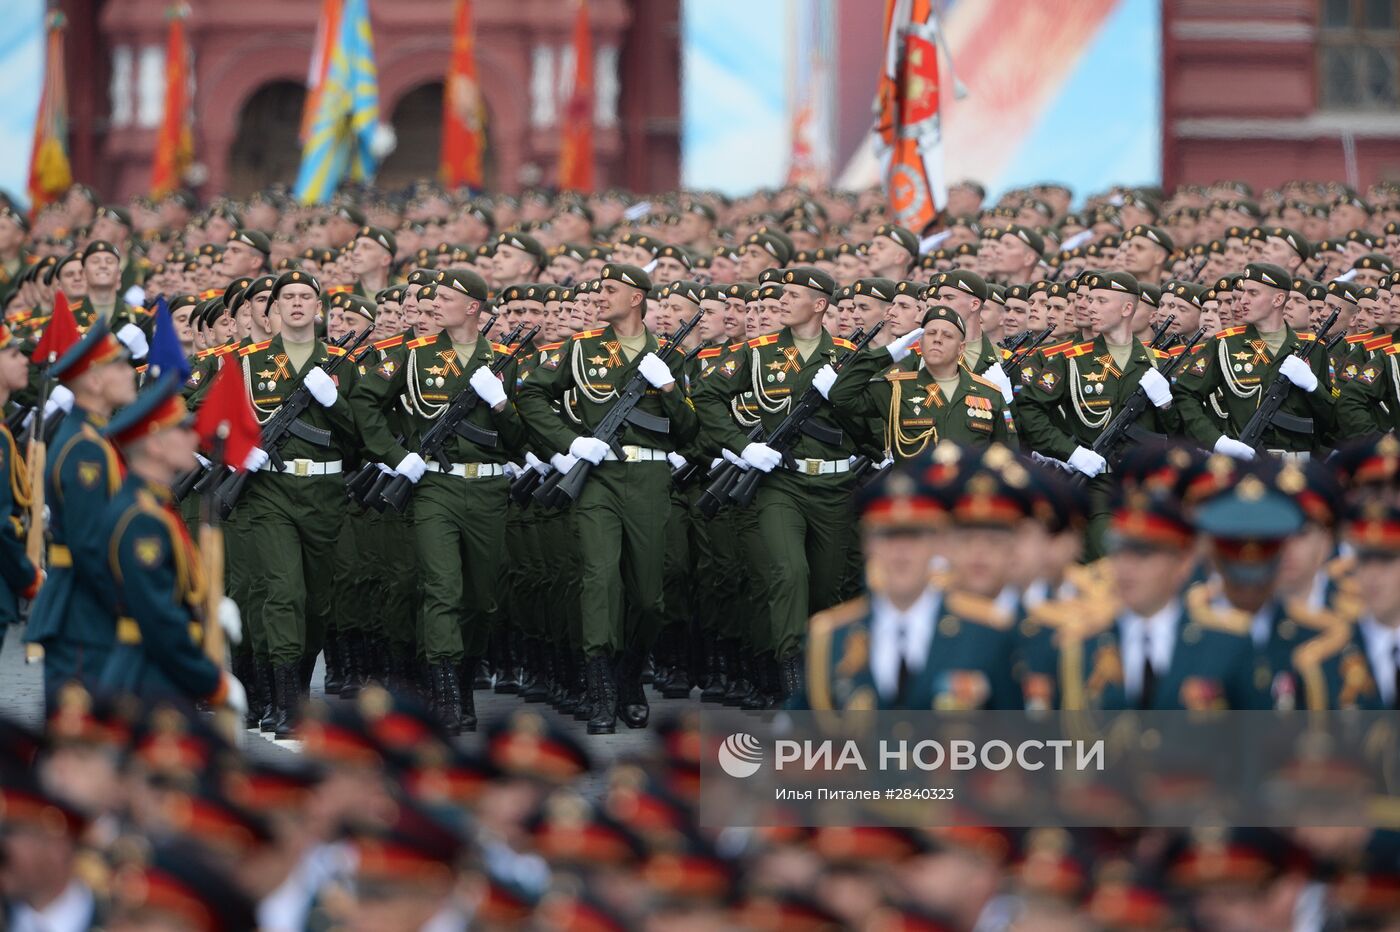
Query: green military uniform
[
  {"x": 1369, "y": 401},
  {"x": 122, "y": 313},
  {"x": 916, "y": 415},
  {"x": 803, "y": 513},
  {"x": 1237, "y": 365}
]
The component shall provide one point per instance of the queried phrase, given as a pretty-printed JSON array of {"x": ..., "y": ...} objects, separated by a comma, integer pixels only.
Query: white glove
[
  {"x": 60, "y": 399},
  {"x": 1157, "y": 388},
  {"x": 537, "y": 464},
  {"x": 235, "y": 696},
  {"x": 1295, "y": 370},
  {"x": 320, "y": 386},
  {"x": 761, "y": 457},
  {"x": 255, "y": 460},
  {"x": 997, "y": 376},
  {"x": 656, "y": 372},
  {"x": 411, "y": 467},
  {"x": 676, "y": 460},
  {"x": 231, "y": 620},
  {"x": 887, "y": 461},
  {"x": 134, "y": 340},
  {"x": 736, "y": 460},
  {"x": 511, "y": 470},
  {"x": 1087, "y": 461},
  {"x": 386, "y": 469},
  {"x": 1051, "y": 461},
  {"x": 1233, "y": 448},
  {"x": 563, "y": 462},
  {"x": 900, "y": 348},
  {"x": 488, "y": 388},
  {"x": 589, "y": 448},
  {"x": 824, "y": 379}
]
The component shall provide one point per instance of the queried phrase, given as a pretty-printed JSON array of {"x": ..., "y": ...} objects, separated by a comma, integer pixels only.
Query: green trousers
[
  {"x": 459, "y": 532},
  {"x": 558, "y": 605},
  {"x": 293, "y": 527},
  {"x": 621, "y": 518},
  {"x": 804, "y": 524}
]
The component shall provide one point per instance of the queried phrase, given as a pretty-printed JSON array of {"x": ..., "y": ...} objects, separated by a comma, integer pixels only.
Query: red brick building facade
[{"x": 250, "y": 64}]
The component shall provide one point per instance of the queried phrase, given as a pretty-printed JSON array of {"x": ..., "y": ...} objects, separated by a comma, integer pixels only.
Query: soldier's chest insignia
[
  {"x": 148, "y": 551},
  {"x": 450, "y": 366},
  {"x": 1368, "y": 374},
  {"x": 1349, "y": 372},
  {"x": 1199, "y": 366},
  {"x": 387, "y": 368},
  {"x": 979, "y": 412},
  {"x": 89, "y": 474},
  {"x": 195, "y": 378},
  {"x": 281, "y": 362},
  {"x": 730, "y": 367},
  {"x": 551, "y": 360},
  {"x": 1047, "y": 380},
  {"x": 1027, "y": 373}
]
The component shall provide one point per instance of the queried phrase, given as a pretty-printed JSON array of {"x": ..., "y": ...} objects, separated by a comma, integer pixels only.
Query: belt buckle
[
  {"x": 814, "y": 467},
  {"x": 470, "y": 470},
  {"x": 631, "y": 453},
  {"x": 301, "y": 467}
]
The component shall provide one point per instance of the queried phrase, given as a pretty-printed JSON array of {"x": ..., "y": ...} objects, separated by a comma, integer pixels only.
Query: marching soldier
[
  {"x": 70, "y": 620},
  {"x": 459, "y": 507},
  {"x": 620, "y": 513}
]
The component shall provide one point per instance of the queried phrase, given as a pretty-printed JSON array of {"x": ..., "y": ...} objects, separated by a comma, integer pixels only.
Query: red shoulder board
[
  {"x": 1005, "y": 353},
  {"x": 421, "y": 341},
  {"x": 765, "y": 340},
  {"x": 202, "y": 354},
  {"x": 1305, "y": 335},
  {"x": 550, "y": 346},
  {"x": 141, "y": 368},
  {"x": 208, "y": 293},
  {"x": 843, "y": 343},
  {"x": 502, "y": 348},
  {"x": 732, "y": 347},
  {"x": 1380, "y": 342},
  {"x": 917, "y": 349},
  {"x": 1229, "y": 332},
  {"x": 589, "y": 334},
  {"x": 252, "y": 348},
  {"x": 334, "y": 350},
  {"x": 1080, "y": 349},
  {"x": 1355, "y": 338},
  {"x": 390, "y": 342},
  {"x": 225, "y": 349},
  {"x": 1162, "y": 354},
  {"x": 1176, "y": 351},
  {"x": 709, "y": 352},
  {"x": 339, "y": 289},
  {"x": 1057, "y": 349},
  {"x": 1393, "y": 349}
]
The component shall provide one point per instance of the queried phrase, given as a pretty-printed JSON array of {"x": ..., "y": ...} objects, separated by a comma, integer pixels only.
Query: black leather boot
[
  {"x": 740, "y": 683},
  {"x": 632, "y": 705},
  {"x": 466, "y": 699},
  {"x": 352, "y": 662},
  {"x": 335, "y": 663},
  {"x": 578, "y": 688},
  {"x": 536, "y": 684},
  {"x": 602, "y": 696},
  {"x": 481, "y": 679},
  {"x": 447, "y": 697},
  {"x": 507, "y": 664},
  {"x": 716, "y": 671},
  {"x": 790, "y": 678},
  {"x": 765, "y": 684},
  {"x": 286, "y": 686},
  {"x": 267, "y": 709}
]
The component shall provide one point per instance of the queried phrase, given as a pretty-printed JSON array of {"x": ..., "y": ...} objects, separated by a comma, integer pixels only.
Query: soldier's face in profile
[
  {"x": 902, "y": 314},
  {"x": 14, "y": 368}
]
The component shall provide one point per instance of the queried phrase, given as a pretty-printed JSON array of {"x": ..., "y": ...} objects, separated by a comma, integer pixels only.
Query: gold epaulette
[
  {"x": 1230, "y": 620},
  {"x": 1230, "y": 332},
  {"x": 899, "y": 375},
  {"x": 843, "y": 343},
  {"x": 1305, "y": 335},
  {"x": 1393, "y": 349},
  {"x": 339, "y": 289},
  {"x": 977, "y": 609},
  {"x": 225, "y": 349},
  {"x": 208, "y": 293},
  {"x": 252, "y": 348},
  {"x": 389, "y": 342},
  {"x": 981, "y": 381},
  {"x": 1005, "y": 353},
  {"x": 502, "y": 348},
  {"x": 1161, "y": 354},
  {"x": 765, "y": 340},
  {"x": 589, "y": 334},
  {"x": 202, "y": 354},
  {"x": 709, "y": 352},
  {"x": 334, "y": 350},
  {"x": 421, "y": 341},
  {"x": 1078, "y": 617},
  {"x": 917, "y": 349},
  {"x": 1079, "y": 349}
]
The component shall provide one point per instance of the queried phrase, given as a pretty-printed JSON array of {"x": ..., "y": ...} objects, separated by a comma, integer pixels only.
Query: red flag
[
  {"x": 227, "y": 412},
  {"x": 60, "y": 335},
  {"x": 463, "y": 112},
  {"x": 576, "y": 143},
  {"x": 908, "y": 117},
  {"x": 175, "y": 141},
  {"x": 49, "y": 172}
]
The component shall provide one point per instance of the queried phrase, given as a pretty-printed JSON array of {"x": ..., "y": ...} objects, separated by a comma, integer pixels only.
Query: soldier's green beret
[
  {"x": 1374, "y": 260},
  {"x": 1017, "y": 292},
  {"x": 1368, "y": 292},
  {"x": 351, "y": 213},
  {"x": 379, "y": 236},
  {"x": 119, "y": 214},
  {"x": 738, "y": 290},
  {"x": 1359, "y": 236},
  {"x": 572, "y": 251},
  {"x": 254, "y": 238},
  {"x": 510, "y": 293},
  {"x": 1152, "y": 234},
  {"x": 916, "y": 290},
  {"x": 770, "y": 275},
  {"x": 1295, "y": 240},
  {"x": 361, "y": 305},
  {"x": 686, "y": 290},
  {"x": 234, "y": 291},
  {"x": 9, "y": 213},
  {"x": 393, "y": 294},
  {"x": 183, "y": 300},
  {"x": 627, "y": 275},
  {"x": 881, "y": 289},
  {"x": 427, "y": 292},
  {"x": 99, "y": 246},
  {"x": 944, "y": 312},
  {"x": 421, "y": 277},
  {"x": 1347, "y": 291},
  {"x": 714, "y": 293},
  {"x": 1026, "y": 235},
  {"x": 901, "y": 237},
  {"x": 780, "y": 250},
  {"x": 692, "y": 206},
  {"x": 963, "y": 280},
  {"x": 966, "y": 249},
  {"x": 814, "y": 278},
  {"x": 770, "y": 292},
  {"x": 1150, "y": 295},
  {"x": 522, "y": 241},
  {"x": 844, "y": 293},
  {"x": 657, "y": 292},
  {"x": 1266, "y": 273},
  {"x": 1121, "y": 282},
  {"x": 294, "y": 277},
  {"x": 1186, "y": 291},
  {"x": 674, "y": 252}
]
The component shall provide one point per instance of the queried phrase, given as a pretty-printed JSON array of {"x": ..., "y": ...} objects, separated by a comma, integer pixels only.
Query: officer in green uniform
[
  {"x": 1241, "y": 362},
  {"x": 69, "y": 621},
  {"x": 19, "y": 578},
  {"x": 459, "y": 506},
  {"x": 620, "y": 515},
  {"x": 921, "y": 407},
  {"x": 802, "y": 506},
  {"x": 918, "y": 642},
  {"x": 295, "y": 513},
  {"x": 157, "y": 580}
]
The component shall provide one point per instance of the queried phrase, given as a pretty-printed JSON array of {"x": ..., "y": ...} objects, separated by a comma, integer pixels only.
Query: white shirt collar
[
  {"x": 1134, "y": 629},
  {"x": 891, "y": 630},
  {"x": 71, "y": 911}
]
